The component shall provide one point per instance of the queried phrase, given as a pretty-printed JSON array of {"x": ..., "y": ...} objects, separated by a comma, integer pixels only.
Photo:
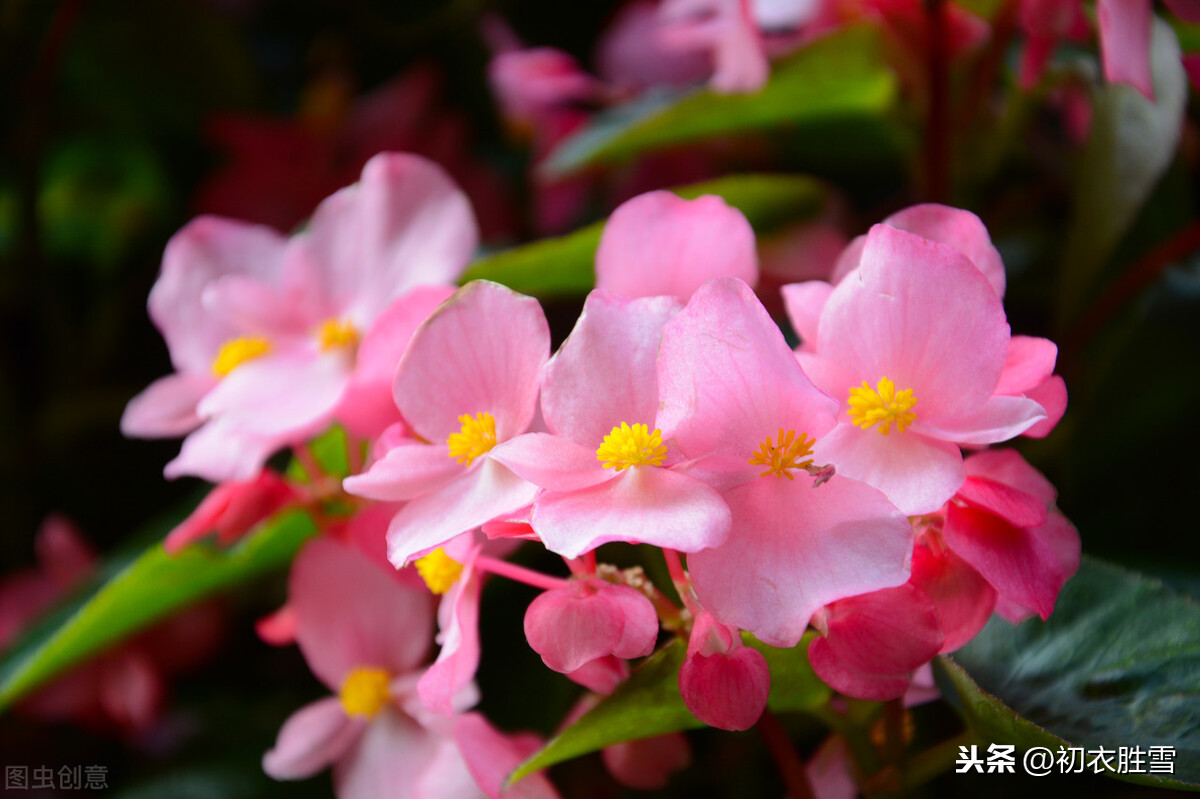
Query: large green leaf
[
  {"x": 838, "y": 77},
  {"x": 1117, "y": 664},
  {"x": 649, "y": 704},
  {"x": 140, "y": 591},
  {"x": 563, "y": 266},
  {"x": 1132, "y": 142}
]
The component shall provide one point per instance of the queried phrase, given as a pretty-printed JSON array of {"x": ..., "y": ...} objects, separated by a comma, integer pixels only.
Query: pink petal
[
  {"x": 648, "y": 763},
  {"x": 278, "y": 628},
  {"x": 231, "y": 510},
  {"x": 1008, "y": 467},
  {"x": 920, "y": 313},
  {"x": 554, "y": 463},
  {"x": 481, "y": 352},
  {"x": 1028, "y": 362},
  {"x": 491, "y": 756},
  {"x": 659, "y": 244},
  {"x": 131, "y": 689},
  {"x": 1052, "y": 396},
  {"x": 1037, "y": 53},
  {"x": 476, "y": 497},
  {"x": 804, "y": 303},
  {"x": 367, "y": 406},
  {"x": 961, "y": 229},
  {"x": 794, "y": 548},
  {"x": 963, "y": 599},
  {"x": 406, "y": 472},
  {"x": 725, "y": 29},
  {"x": 604, "y": 373},
  {"x": 405, "y": 224},
  {"x": 804, "y": 252},
  {"x": 292, "y": 394},
  {"x": 643, "y": 504},
  {"x": 350, "y": 613},
  {"x": 217, "y": 451},
  {"x": 571, "y": 626},
  {"x": 916, "y": 473},
  {"x": 1014, "y": 506},
  {"x": 1125, "y": 42},
  {"x": 1027, "y": 567},
  {"x": 312, "y": 738},
  {"x": 393, "y": 758},
  {"x": 204, "y": 250},
  {"x": 829, "y": 771},
  {"x": 999, "y": 419},
  {"x": 727, "y": 379},
  {"x": 458, "y": 659},
  {"x": 630, "y": 53},
  {"x": 726, "y": 690},
  {"x": 849, "y": 259},
  {"x": 167, "y": 407},
  {"x": 602, "y": 675},
  {"x": 873, "y": 642}
]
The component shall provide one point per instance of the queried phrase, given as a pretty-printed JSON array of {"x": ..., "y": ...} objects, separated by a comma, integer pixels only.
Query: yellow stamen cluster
[
  {"x": 633, "y": 445},
  {"x": 438, "y": 570},
  {"x": 336, "y": 333},
  {"x": 477, "y": 436},
  {"x": 237, "y": 351},
  {"x": 784, "y": 454},
  {"x": 882, "y": 405},
  {"x": 365, "y": 691}
]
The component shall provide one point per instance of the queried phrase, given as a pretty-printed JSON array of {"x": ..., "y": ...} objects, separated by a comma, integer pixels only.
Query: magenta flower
[
  {"x": 736, "y": 403},
  {"x": 467, "y": 383},
  {"x": 912, "y": 344},
  {"x": 603, "y": 466},
  {"x": 274, "y": 338}
]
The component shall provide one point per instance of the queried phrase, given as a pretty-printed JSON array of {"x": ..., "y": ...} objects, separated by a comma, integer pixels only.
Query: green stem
[{"x": 935, "y": 760}]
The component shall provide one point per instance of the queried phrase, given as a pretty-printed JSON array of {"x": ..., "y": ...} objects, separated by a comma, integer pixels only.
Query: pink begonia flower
[
  {"x": 725, "y": 29},
  {"x": 364, "y": 635},
  {"x": 632, "y": 56},
  {"x": 1002, "y": 523},
  {"x": 274, "y": 338},
  {"x": 533, "y": 83},
  {"x": 589, "y": 619},
  {"x": 658, "y": 244},
  {"x": 912, "y": 344},
  {"x": 603, "y": 465},
  {"x": 1046, "y": 23},
  {"x": 723, "y": 682},
  {"x": 124, "y": 689},
  {"x": 468, "y": 382},
  {"x": 735, "y": 402},
  {"x": 231, "y": 510},
  {"x": 1125, "y": 42},
  {"x": 1029, "y": 372},
  {"x": 870, "y": 644},
  {"x": 962, "y": 599}
]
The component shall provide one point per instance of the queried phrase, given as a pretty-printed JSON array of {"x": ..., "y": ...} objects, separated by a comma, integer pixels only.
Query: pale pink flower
[
  {"x": 275, "y": 338},
  {"x": 736, "y": 403},
  {"x": 467, "y": 383},
  {"x": 723, "y": 682},
  {"x": 912, "y": 345},
  {"x": 603, "y": 467}
]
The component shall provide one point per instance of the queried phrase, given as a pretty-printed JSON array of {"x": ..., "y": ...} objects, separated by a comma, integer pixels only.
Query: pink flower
[
  {"x": 364, "y": 635},
  {"x": 962, "y": 599},
  {"x": 913, "y": 344},
  {"x": 274, "y": 338},
  {"x": 570, "y": 627},
  {"x": 871, "y": 644},
  {"x": 231, "y": 510},
  {"x": 603, "y": 466},
  {"x": 467, "y": 383},
  {"x": 1002, "y": 524},
  {"x": 632, "y": 56},
  {"x": 735, "y": 402},
  {"x": 534, "y": 83},
  {"x": 658, "y": 244},
  {"x": 728, "y": 32},
  {"x": 724, "y": 683}
]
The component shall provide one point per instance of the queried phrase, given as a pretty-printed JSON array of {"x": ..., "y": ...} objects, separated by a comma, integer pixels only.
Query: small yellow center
[
  {"x": 882, "y": 405},
  {"x": 438, "y": 570},
  {"x": 336, "y": 333},
  {"x": 629, "y": 446},
  {"x": 784, "y": 454},
  {"x": 237, "y": 351},
  {"x": 478, "y": 435},
  {"x": 365, "y": 691}
]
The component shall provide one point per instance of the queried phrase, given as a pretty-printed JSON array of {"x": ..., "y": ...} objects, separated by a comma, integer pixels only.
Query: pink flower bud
[
  {"x": 569, "y": 627},
  {"x": 231, "y": 510},
  {"x": 723, "y": 683}
]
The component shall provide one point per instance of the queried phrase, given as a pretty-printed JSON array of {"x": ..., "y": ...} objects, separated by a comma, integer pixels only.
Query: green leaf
[
  {"x": 1132, "y": 142},
  {"x": 1117, "y": 664},
  {"x": 649, "y": 703},
  {"x": 139, "y": 592},
  {"x": 840, "y": 76},
  {"x": 563, "y": 266}
]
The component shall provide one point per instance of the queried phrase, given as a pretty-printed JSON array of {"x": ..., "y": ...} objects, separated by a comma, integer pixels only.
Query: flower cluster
[{"x": 843, "y": 486}]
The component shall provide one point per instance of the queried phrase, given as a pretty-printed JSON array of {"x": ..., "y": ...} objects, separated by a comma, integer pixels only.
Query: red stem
[
  {"x": 790, "y": 766},
  {"x": 519, "y": 573}
]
